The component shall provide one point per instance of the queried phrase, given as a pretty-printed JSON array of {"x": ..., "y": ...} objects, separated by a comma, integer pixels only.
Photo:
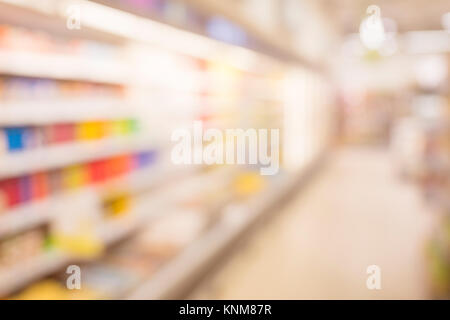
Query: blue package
[{"x": 15, "y": 138}]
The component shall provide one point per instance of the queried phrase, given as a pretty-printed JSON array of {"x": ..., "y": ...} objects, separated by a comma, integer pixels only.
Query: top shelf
[
  {"x": 61, "y": 67},
  {"x": 129, "y": 28},
  {"x": 43, "y": 15}
]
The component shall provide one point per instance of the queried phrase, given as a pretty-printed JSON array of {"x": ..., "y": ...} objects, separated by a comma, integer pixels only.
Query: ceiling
[{"x": 409, "y": 14}]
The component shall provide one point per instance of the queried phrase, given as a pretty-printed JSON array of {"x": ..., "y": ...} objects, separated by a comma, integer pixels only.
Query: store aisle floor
[{"x": 355, "y": 213}]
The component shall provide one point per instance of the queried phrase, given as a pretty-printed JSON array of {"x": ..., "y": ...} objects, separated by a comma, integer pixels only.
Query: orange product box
[
  {"x": 120, "y": 165},
  {"x": 39, "y": 185}
]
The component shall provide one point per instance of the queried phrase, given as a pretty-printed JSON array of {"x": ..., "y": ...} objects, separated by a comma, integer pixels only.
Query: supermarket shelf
[
  {"x": 276, "y": 41},
  {"x": 36, "y": 15},
  {"x": 237, "y": 219},
  {"x": 135, "y": 28},
  {"x": 24, "y": 217},
  {"x": 18, "y": 276},
  {"x": 148, "y": 208},
  {"x": 40, "y": 212},
  {"x": 58, "y": 66},
  {"x": 31, "y": 270},
  {"x": 19, "y": 163},
  {"x": 145, "y": 209},
  {"x": 38, "y": 112}
]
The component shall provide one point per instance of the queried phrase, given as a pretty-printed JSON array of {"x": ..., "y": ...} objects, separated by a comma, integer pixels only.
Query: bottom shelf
[
  {"x": 181, "y": 232},
  {"x": 32, "y": 270},
  {"x": 183, "y": 271}
]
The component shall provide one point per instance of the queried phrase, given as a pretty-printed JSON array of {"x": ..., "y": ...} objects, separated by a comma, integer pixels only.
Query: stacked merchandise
[
  {"x": 438, "y": 254},
  {"x": 132, "y": 263},
  {"x": 435, "y": 183},
  {"x": 21, "y": 139},
  {"x": 189, "y": 16},
  {"x": 65, "y": 132},
  {"x": 22, "y": 190},
  {"x": 82, "y": 177},
  {"x": 421, "y": 143},
  {"x": 129, "y": 264}
]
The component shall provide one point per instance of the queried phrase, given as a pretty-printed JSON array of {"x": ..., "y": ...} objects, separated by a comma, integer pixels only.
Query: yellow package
[
  {"x": 74, "y": 177},
  {"x": 53, "y": 290},
  {"x": 249, "y": 183},
  {"x": 91, "y": 130}
]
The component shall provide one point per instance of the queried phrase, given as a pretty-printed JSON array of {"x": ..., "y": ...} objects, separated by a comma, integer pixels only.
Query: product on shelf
[
  {"x": 20, "y": 190},
  {"x": 18, "y": 248},
  {"x": 15, "y": 139},
  {"x": 249, "y": 183},
  {"x": 177, "y": 87},
  {"x": 116, "y": 205},
  {"x": 60, "y": 133},
  {"x": 438, "y": 253},
  {"x": 28, "y": 40},
  {"x": 51, "y": 289},
  {"x": 17, "y": 89}
]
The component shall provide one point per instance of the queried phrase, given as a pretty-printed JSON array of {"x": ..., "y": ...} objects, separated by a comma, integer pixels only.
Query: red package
[
  {"x": 60, "y": 133},
  {"x": 98, "y": 171},
  {"x": 11, "y": 192}
]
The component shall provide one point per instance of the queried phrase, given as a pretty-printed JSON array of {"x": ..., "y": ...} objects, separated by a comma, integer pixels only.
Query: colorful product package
[
  {"x": 39, "y": 185},
  {"x": 55, "y": 181},
  {"x": 10, "y": 189},
  {"x": 33, "y": 137},
  {"x": 90, "y": 130},
  {"x": 15, "y": 137},
  {"x": 145, "y": 158},
  {"x": 74, "y": 177},
  {"x": 117, "y": 205},
  {"x": 60, "y": 133},
  {"x": 25, "y": 189},
  {"x": 98, "y": 171}
]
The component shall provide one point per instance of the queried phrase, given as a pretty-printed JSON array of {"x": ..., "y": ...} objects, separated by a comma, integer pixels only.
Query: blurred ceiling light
[
  {"x": 371, "y": 30},
  {"x": 352, "y": 46},
  {"x": 446, "y": 21},
  {"x": 431, "y": 71}
]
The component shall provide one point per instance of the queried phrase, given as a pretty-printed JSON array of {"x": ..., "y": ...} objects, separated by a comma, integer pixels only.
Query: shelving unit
[
  {"x": 181, "y": 273},
  {"x": 34, "y": 269},
  {"x": 63, "y": 110},
  {"x": 170, "y": 78},
  {"x": 63, "y": 155},
  {"x": 62, "y": 67},
  {"x": 146, "y": 209}
]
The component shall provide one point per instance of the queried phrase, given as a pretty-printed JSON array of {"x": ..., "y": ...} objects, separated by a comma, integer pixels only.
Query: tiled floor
[{"x": 355, "y": 213}]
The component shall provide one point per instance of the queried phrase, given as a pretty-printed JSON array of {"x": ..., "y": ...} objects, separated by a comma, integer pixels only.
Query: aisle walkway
[{"x": 355, "y": 213}]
